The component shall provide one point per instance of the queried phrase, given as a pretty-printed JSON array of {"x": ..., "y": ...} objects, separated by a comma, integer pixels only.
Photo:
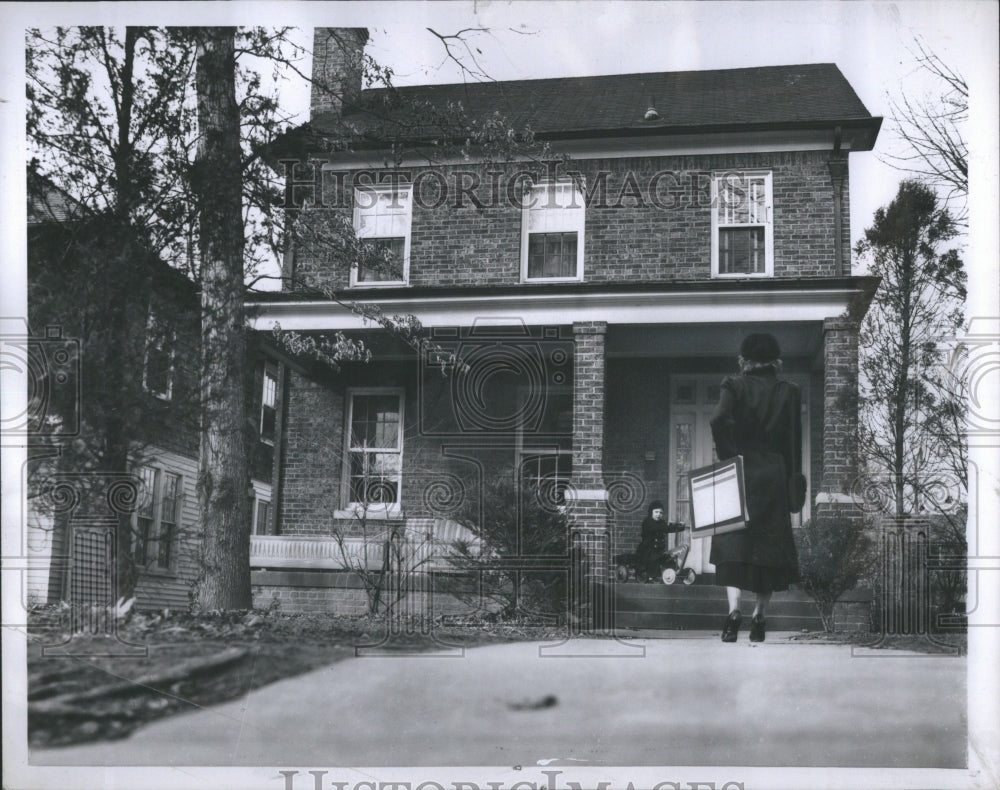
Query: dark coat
[
  {"x": 758, "y": 418},
  {"x": 653, "y": 544}
]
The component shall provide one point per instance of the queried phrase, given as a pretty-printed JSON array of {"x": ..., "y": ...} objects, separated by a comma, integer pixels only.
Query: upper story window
[
  {"x": 742, "y": 231},
  {"x": 382, "y": 217},
  {"x": 158, "y": 359},
  {"x": 552, "y": 224},
  {"x": 155, "y": 520},
  {"x": 269, "y": 404},
  {"x": 375, "y": 448}
]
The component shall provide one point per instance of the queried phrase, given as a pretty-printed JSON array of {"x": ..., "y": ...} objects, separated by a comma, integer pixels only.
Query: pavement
[{"x": 687, "y": 700}]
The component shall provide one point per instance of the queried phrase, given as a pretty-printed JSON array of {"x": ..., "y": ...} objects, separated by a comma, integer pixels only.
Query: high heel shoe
[
  {"x": 731, "y": 628},
  {"x": 757, "y": 629}
]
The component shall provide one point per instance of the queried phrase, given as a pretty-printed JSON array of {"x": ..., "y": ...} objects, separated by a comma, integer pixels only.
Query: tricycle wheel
[
  {"x": 621, "y": 573},
  {"x": 689, "y": 577},
  {"x": 668, "y": 575}
]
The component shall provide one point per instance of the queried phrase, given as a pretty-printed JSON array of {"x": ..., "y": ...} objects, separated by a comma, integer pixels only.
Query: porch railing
[{"x": 426, "y": 545}]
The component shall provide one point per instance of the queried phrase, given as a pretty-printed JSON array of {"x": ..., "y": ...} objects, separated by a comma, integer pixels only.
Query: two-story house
[
  {"x": 596, "y": 302},
  {"x": 148, "y": 384}
]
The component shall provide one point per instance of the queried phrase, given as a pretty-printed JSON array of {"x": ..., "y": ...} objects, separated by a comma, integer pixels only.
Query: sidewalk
[{"x": 689, "y": 700}]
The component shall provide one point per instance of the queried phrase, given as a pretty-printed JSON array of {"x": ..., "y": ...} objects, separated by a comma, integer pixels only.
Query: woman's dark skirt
[{"x": 754, "y": 578}]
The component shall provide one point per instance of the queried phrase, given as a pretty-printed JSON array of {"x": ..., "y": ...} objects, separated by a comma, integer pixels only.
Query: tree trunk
[{"x": 223, "y": 474}]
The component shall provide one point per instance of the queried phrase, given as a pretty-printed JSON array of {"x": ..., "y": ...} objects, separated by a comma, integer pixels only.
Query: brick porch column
[
  {"x": 589, "y": 513},
  {"x": 835, "y": 495}
]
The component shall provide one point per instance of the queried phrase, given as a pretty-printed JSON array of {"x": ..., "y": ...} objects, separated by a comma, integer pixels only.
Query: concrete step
[
  {"x": 700, "y": 606},
  {"x": 660, "y": 621}
]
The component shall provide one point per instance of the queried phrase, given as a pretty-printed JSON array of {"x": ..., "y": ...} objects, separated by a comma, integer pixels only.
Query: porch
[{"x": 600, "y": 395}]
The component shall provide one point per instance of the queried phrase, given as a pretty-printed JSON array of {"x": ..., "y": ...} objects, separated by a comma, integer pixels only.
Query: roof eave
[{"x": 859, "y": 134}]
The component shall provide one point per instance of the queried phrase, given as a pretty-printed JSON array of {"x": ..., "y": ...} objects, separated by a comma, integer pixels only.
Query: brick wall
[
  {"x": 588, "y": 404},
  {"x": 840, "y": 421},
  {"x": 312, "y": 466},
  {"x": 341, "y": 593},
  {"x": 454, "y": 241}
]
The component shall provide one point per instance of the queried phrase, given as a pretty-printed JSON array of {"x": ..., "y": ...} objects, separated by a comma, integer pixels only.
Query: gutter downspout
[{"x": 838, "y": 173}]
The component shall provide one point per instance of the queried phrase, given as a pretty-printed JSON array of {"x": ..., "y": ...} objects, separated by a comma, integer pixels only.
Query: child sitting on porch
[{"x": 653, "y": 547}]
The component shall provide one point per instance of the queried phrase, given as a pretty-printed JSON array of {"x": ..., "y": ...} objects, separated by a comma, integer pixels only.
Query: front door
[
  {"x": 693, "y": 399},
  {"x": 692, "y": 402}
]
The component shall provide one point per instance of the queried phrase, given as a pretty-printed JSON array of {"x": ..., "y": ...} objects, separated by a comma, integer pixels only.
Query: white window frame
[
  {"x": 152, "y": 546},
  {"x": 378, "y": 510},
  {"x": 567, "y": 216},
  {"x": 365, "y": 209},
  {"x": 155, "y": 322},
  {"x": 766, "y": 221},
  {"x": 268, "y": 369}
]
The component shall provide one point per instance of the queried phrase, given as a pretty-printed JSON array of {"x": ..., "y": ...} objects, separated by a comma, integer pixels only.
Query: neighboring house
[
  {"x": 597, "y": 316},
  {"x": 156, "y": 373}
]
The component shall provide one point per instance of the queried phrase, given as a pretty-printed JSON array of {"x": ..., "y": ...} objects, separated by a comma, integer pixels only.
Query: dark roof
[
  {"x": 48, "y": 203},
  {"x": 776, "y": 97}
]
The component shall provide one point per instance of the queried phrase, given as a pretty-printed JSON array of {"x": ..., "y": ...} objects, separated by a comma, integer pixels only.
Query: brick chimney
[{"x": 337, "y": 69}]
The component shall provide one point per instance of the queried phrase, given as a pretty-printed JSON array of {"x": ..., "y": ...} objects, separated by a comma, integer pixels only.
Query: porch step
[{"x": 702, "y": 606}]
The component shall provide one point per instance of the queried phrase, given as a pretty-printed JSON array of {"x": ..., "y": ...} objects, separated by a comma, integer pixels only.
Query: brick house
[
  {"x": 597, "y": 302},
  {"x": 67, "y": 542}
]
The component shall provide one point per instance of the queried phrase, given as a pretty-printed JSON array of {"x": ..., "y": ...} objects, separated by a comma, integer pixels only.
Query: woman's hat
[{"x": 760, "y": 347}]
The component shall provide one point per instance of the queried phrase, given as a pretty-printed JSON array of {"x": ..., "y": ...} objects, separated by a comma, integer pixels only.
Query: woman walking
[{"x": 758, "y": 418}]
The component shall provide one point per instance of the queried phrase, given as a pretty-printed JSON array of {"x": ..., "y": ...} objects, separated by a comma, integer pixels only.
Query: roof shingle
[{"x": 758, "y": 97}]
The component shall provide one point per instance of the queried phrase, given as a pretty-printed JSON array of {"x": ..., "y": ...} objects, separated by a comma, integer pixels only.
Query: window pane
[
  {"x": 375, "y": 478},
  {"x": 269, "y": 396},
  {"x": 170, "y": 495},
  {"x": 683, "y": 457},
  {"x": 375, "y": 421},
  {"x": 547, "y": 476},
  {"x": 551, "y": 255},
  {"x": 143, "y": 527},
  {"x": 267, "y": 423},
  {"x": 263, "y": 523},
  {"x": 144, "y": 514},
  {"x": 742, "y": 201},
  {"x": 380, "y": 271},
  {"x": 757, "y": 200},
  {"x": 166, "y": 545},
  {"x": 147, "y": 489},
  {"x": 741, "y": 250}
]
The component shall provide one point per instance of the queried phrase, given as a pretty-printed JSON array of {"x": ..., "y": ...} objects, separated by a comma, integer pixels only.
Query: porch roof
[{"x": 664, "y": 303}]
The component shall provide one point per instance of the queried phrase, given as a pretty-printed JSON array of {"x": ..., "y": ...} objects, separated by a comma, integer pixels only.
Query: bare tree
[{"x": 932, "y": 128}]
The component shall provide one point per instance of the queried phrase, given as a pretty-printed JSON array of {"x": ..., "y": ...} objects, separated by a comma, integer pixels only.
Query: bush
[
  {"x": 520, "y": 558},
  {"x": 834, "y": 554}
]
